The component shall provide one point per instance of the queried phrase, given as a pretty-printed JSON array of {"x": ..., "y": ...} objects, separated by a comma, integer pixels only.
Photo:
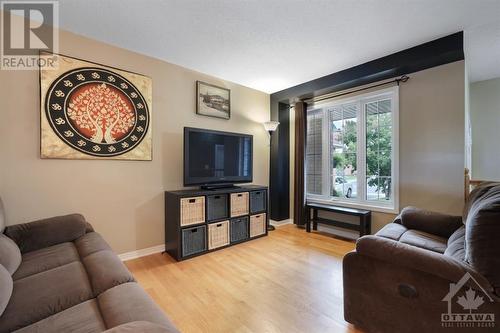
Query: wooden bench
[{"x": 365, "y": 218}]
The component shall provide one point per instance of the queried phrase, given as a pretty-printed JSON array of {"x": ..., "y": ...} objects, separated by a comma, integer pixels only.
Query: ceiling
[{"x": 271, "y": 45}]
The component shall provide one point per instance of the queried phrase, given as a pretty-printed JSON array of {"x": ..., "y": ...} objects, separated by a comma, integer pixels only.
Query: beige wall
[
  {"x": 485, "y": 119},
  {"x": 122, "y": 199},
  {"x": 431, "y": 141}
]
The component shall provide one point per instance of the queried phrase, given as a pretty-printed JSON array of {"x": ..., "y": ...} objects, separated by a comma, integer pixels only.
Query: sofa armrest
[
  {"x": 434, "y": 223},
  {"x": 140, "y": 326},
  {"x": 88, "y": 228},
  {"x": 416, "y": 258},
  {"x": 47, "y": 232}
]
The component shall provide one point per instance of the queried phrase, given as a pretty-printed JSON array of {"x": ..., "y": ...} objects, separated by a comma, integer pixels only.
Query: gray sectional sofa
[{"x": 58, "y": 275}]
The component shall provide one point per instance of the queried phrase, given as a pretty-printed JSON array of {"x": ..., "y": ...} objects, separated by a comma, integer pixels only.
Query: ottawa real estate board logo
[
  {"x": 27, "y": 27},
  {"x": 464, "y": 305}
]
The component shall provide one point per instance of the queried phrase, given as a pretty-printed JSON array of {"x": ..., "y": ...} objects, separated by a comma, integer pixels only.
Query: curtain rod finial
[{"x": 403, "y": 78}]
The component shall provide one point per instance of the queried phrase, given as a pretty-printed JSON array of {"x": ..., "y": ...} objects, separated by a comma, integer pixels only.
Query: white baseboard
[
  {"x": 141, "y": 253},
  {"x": 160, "y": 248},
  {"x": 279, "y": 223}
]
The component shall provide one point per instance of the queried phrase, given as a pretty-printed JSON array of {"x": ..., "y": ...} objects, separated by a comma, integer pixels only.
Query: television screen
[{"x": 213, "y": 157}]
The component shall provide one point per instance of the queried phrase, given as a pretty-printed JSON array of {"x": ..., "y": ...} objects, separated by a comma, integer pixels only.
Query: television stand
[{"x": 202, "y": 221}]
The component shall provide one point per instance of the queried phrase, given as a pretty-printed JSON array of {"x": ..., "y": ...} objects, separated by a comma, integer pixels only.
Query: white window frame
[{"x": 360, "y": 201}]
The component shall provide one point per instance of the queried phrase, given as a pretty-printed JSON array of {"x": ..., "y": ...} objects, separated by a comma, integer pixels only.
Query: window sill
[{"x": 373, "y": 208}]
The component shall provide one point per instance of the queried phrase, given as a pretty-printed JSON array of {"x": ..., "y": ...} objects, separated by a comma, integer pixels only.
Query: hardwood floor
[{"x": 290, "y": 281}]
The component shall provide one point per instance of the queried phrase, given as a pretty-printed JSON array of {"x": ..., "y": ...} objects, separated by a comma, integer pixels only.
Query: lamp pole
[{"x": 270, "y": 127}]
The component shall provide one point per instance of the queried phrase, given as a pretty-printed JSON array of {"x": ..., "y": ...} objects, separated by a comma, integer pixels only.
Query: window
[{"x": 351, "y": 151}]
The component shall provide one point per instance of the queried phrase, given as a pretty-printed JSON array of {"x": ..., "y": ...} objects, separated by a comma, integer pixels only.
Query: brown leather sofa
[
  {"x": 58, "y": 275},
  {"x": 414, "y": 275}
]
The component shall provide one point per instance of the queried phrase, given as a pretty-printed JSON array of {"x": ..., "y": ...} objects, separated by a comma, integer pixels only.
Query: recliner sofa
[
  {"x": 58, "y": 275},
  {"x": 414, "y": 274}
]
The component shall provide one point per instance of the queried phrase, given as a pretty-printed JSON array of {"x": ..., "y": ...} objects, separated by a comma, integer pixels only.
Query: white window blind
[{"x": 314, "y": 152}]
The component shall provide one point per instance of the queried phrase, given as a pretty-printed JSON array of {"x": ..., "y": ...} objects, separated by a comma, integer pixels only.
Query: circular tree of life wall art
[
  {"x": 100, "y": 112},
  {"x": 97, "y": 112},
  {"x": 92, "y": 111}
]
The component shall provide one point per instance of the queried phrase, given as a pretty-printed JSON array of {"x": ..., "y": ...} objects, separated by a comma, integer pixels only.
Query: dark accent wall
[
  {"x": 435, "y": 53},
  {"x": 280, "y": 165}
]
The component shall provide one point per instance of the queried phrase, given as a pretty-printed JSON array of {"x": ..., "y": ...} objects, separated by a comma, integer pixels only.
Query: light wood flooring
[{"x": 290, "y": 281}]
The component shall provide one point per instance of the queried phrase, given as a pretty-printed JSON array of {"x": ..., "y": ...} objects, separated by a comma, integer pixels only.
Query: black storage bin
[
  {"x": 194, "y": 240},
  {"x": 217, "y": 207},
  {"x": 257, "y": 201},
  {"x": 239, "y": 229}
]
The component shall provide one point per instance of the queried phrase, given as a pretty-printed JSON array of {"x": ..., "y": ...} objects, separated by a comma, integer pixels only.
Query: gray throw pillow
[
  {"x": 10, "y": 255},
  {"x": 6, "y": 290}
]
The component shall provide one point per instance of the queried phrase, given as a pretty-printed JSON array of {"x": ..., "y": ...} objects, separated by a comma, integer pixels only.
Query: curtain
[{"x": 299, "y": 200}]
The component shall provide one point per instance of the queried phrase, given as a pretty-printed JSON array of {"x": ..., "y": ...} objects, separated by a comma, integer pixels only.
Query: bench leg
[
  {"x": 362, "y": 226},
  {"x": 368, "y": 225},
  {"x": 315, "y": 218},
  {"x": 308, "y": 221}
]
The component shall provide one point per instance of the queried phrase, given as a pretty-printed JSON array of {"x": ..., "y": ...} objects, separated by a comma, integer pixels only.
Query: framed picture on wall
[
  {"x": 213, "y": 101},
  {"x": 92, "y": 111}
]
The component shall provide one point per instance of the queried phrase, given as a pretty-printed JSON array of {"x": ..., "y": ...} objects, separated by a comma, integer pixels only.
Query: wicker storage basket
[
  {"x": 239, "y": 229},
  {"x": 257, "y": 225},
  {"x": 192, "y": 211},
  {"x": 239, "y": 204},
  {"x": 218, "y": 234},
  {"x": 217, "y": 207},
  {"x": 257, "y": 201},
  {"x": 193, "y": 240}
]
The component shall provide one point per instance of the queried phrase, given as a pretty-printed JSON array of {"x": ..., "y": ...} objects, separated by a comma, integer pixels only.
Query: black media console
[{"x": 202, "y": 220}]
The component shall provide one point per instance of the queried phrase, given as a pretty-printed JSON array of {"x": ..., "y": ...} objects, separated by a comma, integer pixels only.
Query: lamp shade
[{"x": 271, "y": 126}]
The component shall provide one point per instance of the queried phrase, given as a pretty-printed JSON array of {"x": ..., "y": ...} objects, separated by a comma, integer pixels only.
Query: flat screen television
[{"x": 214, "y": 158}]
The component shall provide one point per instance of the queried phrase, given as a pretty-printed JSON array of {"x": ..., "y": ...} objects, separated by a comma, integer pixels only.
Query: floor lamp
[{"x": 270, "y": 127}]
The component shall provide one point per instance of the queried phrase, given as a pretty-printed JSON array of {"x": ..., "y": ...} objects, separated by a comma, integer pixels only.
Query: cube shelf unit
[{"x": 202, "y": 221}]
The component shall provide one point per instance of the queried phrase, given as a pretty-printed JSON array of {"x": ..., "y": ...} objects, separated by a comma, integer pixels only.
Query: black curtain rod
[{"x": 403, "y": 79}]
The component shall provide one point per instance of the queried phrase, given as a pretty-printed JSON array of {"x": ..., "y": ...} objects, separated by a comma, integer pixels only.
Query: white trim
[
  {"x": 395, "y": 149},
  {"x": 361, "y": 100},
  {"x": 141, "y": 253},
  {"x": 361, "y": 153}
]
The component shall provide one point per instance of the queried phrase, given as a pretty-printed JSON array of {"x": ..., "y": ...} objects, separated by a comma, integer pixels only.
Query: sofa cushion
[
  {"x": 105, "y": 270},
  {"x": 482, "y": 233},
  {"x": 10, "y": 255},
  {"x": 442, "y": 225},
  {"x": 47, "y": 232},
  {"x": 5, "y": 288},
  {"x": 474, "y": 196},
  {"x": 41, "y": 295},
  {"x": 45, "y": 259},
  {"x": 392, "y": 231},
  {"x": 456, "y": 245},
  {"x": 424, "y": 240},
  {"x": 90, "y": 243},
  {"x": 129, "y": 302},
  {"x": 82, "y": 318}
]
